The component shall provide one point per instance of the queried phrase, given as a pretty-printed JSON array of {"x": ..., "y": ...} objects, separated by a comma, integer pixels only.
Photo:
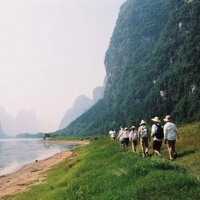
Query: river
[{"x": 15, "y": 153}]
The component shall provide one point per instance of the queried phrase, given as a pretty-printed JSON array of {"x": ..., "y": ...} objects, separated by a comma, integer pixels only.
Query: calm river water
[{"x": 14, "y": 153}]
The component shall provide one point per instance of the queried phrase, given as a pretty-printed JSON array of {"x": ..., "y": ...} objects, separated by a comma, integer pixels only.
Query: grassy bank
[{"x": 104, "y": 171}]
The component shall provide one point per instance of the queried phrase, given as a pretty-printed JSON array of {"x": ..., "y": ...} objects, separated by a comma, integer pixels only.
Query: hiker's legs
[
  {"x": 157, "y": 152},
  {"x": 171, "y": 148},
  {"x": 156, "y": 147},
  {"x": 142, "y": 147},
  {"x": 113, "y": 138},
  {"x": 126, "y": 142},
  {"x": 146, "y": 144},
  {"x": 174, "y": 150},
  {"x": 134, "y": 144},
  {"x": 170, "y": 153},
  {"x": 122, "y": 144}
]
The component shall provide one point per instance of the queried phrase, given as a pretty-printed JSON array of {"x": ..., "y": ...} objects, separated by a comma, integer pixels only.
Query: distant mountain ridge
[
  {"x": 152, "y": 67},
  {"x": 2, "y": 134},
  {"x": 24, "y": 122},
  {"x": 81, "y": 104}
]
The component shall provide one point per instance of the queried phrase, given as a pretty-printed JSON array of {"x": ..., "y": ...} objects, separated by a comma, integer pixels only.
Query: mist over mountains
[
  {"x": 24, "y": 122},
  {"x": 27, "y": 121},
  {"x": 81, "y": 104},
  {"x": 2, "y": 134}
]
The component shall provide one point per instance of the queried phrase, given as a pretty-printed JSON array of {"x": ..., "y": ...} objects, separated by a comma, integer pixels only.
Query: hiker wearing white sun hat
[
  {"x": 133, "y": 138},
  {"x": 157, "y": 134},
  {"x": 120, "y": 136},
  {"x": 170, "y": 135},
  {"x": 144, "y": 138},
  {"x": 112, "y": 134},
  {"x": 126, "y": 136}
]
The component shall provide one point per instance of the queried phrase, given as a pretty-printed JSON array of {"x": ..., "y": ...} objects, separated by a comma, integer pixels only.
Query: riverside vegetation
[{"x": 104, "y": 171}]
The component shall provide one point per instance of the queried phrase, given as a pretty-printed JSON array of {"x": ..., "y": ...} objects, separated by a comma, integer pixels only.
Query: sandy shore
[{"x": 31, "y": 174}]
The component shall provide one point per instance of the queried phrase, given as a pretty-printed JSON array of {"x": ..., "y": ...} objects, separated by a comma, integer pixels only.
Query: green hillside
[
  {"x": 152, "y": 67},
  {"x": 105, "y": 171}
]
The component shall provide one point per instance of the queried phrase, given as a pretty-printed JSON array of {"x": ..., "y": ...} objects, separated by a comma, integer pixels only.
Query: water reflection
[{"x": 15, "y": 153}]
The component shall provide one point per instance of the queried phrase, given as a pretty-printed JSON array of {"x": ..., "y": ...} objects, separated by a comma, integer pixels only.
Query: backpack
[
  {"x": 159, "y": 133},
  {"x": 144, "y": 132},
  {"x": 121, "y": 138},
  {"x": 133, "y": 135}
]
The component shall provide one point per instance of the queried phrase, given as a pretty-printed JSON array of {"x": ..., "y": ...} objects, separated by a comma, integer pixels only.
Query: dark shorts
[
  {"x": 134, "y": 142},
  {"x": 145, "y": 141},
  {"x": 126, "y": 141},
  {"x": 171, "y": 142},
  {"x": 157, "y": 145}
]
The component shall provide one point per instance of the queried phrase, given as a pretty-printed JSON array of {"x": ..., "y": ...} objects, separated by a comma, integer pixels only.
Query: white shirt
[
  {"x": 170, "y": 131},
  {"x": 112, "y": 133},
  {"x": 126, "y": 134},
  {"x": 120, "y": 132}
]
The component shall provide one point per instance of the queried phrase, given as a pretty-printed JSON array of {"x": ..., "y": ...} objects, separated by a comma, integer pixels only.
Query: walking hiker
[
  {"x": 120, "y": 136},
  {"x": 126, "y": 136},
  {"x": 158, "y": 135},
  {"x": 170, "y": 135},
  {"x": 133, "y": 138},
  {"x": 112, "y": 134},
  {"x": 144, "y": 138}
]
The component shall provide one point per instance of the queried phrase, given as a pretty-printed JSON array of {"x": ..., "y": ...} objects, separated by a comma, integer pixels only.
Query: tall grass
[
  {"x": 189, "y": 148},
  {"x": 104, "y": 171}
]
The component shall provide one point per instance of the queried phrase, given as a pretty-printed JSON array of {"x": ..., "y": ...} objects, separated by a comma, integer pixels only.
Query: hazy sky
[{"x": 52, "y": 51}]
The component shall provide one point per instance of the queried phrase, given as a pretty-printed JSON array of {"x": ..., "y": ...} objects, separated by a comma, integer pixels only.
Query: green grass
[
  {"x": 189, "y": 148},
  {"x": 104, "y": 171}
]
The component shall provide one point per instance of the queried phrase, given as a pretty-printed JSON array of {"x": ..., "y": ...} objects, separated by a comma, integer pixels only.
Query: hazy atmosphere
[{"x": 52, "y": 51}]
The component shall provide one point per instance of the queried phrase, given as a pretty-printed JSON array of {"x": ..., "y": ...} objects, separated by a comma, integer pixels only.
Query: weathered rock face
[
  {"x": 152, "y": 67},
  {"x": 97, "y": 94}
]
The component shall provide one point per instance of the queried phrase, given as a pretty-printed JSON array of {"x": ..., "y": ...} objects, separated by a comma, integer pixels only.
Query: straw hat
[
  {"x": 132, "y": 127},
  {"x": 125, "y": 128},
  {"x": 167, "y": 118},
  {"x": 142, "y": 122},
  {"x": 156, "y": 119}
]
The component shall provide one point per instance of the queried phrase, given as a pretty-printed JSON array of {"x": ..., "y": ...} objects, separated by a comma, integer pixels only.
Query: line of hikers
[{"x": 168, "y": 133}]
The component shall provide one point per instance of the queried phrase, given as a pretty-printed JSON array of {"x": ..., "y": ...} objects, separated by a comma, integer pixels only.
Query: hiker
[
  {"x": 170, "y": 135},
  {"x": 126, "y": 136},
  {"x": 144, "y": 138},
  {"x": 158, "y": 135},
  {"x": 112, "y": 134},
  {"x": 120, "y": 136},
  {"x": 133, "y": 138}
]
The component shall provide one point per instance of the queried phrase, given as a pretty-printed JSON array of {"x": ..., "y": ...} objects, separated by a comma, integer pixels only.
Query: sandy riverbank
[{"x": 32, "y": 173}]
